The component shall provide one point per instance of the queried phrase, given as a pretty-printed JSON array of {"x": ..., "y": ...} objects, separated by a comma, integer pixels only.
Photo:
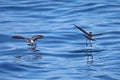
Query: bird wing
[
  {"x": 89, "y": 38},
  {"x": 81, "y": 29},
  {"x": 18, "y": 37},
  {"x": 34, "y": 38},
  {"x": 97, "y": 34},
  {"x": 21, "y": 37}
]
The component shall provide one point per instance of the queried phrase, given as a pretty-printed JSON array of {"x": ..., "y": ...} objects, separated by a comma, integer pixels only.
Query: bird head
[{"x": 90, "y": 34}]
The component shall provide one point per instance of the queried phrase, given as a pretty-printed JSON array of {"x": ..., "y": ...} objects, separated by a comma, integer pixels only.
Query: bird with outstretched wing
[
  {"x": 31, "y": 41},
  {"x": 87, "y": 35}
]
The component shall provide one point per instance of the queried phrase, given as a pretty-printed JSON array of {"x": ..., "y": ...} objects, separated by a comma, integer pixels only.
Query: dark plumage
[
  {"x": 29, "y": 40},
  {"x": 87, "y": 35},
  {"x": 82, "y": 30}
]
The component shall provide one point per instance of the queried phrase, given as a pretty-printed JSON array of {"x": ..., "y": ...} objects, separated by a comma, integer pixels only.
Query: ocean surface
[{"x": 63, "y": 52}]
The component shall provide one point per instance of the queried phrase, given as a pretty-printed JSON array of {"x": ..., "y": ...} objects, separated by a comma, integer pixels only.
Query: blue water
[{"x": 63, "y": 53}]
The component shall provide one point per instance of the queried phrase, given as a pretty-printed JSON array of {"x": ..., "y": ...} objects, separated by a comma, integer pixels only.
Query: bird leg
[
  {"x": 86, "y": 42},
  {"x": 33, "y": 47},
  {"x": 90, "y": 43}
]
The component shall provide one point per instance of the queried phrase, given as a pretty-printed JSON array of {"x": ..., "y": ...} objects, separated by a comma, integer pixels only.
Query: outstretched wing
[
  {"x": 81, "y": 29},
  {"x": 97, "y": 34},
  {"x": 34, "y": 38},
  {"x": 18, "y": 37}
]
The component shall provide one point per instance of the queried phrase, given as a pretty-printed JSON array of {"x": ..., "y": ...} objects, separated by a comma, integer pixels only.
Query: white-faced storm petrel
[
  {"x": 30, "y": 41},
  {"x": 87, "y": 35}
]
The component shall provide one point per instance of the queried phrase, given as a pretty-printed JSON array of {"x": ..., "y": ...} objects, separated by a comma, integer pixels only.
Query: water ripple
[{"x": 63, "y": 54}]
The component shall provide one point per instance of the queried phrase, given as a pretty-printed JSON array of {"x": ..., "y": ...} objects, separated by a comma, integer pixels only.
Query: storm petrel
[
  {"x": 87, "y": 35},
  {"x": 30, "y": 41}
]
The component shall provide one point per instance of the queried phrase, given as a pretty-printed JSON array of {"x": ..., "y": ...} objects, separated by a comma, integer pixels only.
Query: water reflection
[
  {"x": 89, "y": 53},
  {"x": 90, "y": 58},
  {"x": 33, "y": 48},
  {"x": 30, "y": 57}
]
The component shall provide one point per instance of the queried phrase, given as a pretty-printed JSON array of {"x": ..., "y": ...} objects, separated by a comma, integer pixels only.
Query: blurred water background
[{"x": 63, "y": 54}]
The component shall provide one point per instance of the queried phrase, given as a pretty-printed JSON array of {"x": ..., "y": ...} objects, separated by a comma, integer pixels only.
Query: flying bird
[
  {"x": 30, "y": 41},
  {"x": 88, "y": 35}
]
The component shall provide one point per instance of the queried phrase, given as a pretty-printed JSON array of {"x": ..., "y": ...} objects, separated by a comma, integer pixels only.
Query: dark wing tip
[
  {"x": 97, "y": 34},
  {"x": 81, "y": 29},
  {"x": 37, "y": 37},
  {"x": 18, "y": 37},
  {"x": 76, "y": 26}
]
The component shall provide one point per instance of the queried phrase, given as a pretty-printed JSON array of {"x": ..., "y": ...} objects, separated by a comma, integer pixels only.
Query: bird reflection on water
[
  {"x": 88, "y": 35},
  {"x": 31, "y": 44},
  {"x": 90, "y": 58},
  {"x": 88, "y": 53},
  {"x": 27, "y": 57}
]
